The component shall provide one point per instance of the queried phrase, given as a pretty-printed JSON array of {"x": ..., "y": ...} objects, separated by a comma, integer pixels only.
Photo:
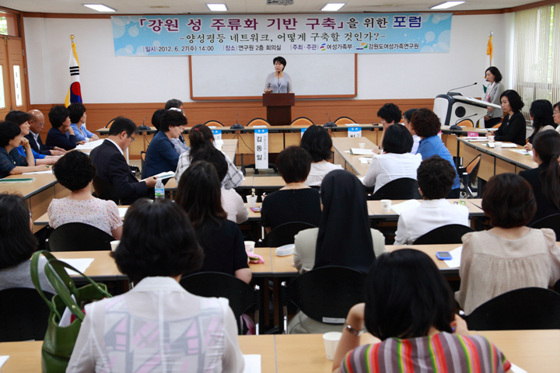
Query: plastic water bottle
[{"x": 159, "y": 190}]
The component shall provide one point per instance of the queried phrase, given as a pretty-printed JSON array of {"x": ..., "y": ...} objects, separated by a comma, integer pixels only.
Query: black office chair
[
  {"x": 23, "y": 315},
  {"x": 241, "y": 296},
  {"x": 324, "y": 294},
  {"x": 284, "y": 233},
  {"x": 79, "y": 237},
  {"x": 450, "y": 233},
  {"x": 469, "y": 176},
  {"x": 403, "y": 188},
  {"x": 526, "y": 308},
  {"x": 551, "y": 221}
]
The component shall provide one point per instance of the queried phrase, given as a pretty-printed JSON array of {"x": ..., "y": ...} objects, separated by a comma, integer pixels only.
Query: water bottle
[{"x": 159, "y": 190}]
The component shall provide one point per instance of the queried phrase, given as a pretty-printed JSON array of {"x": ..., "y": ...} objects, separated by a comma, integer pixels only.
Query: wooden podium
[{"x": 279, "y": 108}]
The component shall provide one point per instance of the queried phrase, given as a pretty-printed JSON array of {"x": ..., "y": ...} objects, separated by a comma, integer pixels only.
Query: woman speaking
[{"x": 278, "y": 81}]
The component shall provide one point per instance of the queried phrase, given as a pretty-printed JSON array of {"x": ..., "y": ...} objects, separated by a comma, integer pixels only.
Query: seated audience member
[
  {"x": 344, "y": 238},
  {"x": 406, "y": 118},
  {"x": 556, "y": 115},
  {"x": 296, "y": 201},
  {"x": 187, "y": 333},
  {"x": 75, "y": 172},
  {"x": 11, "y": 161},
  {"x": 426, "y": 125},
  {"x": 317, "y": 141},
  {"x": 78, "y": 122},
  {"x": 510, "y": 255},
  {"x": 113, "y": 178},
  {"x": 156, "y": 118},
  {"x": 232, "y": 202},
  {"x": 435, "y": 178},
  {"x": 61, "y": 134},
  {"x": 409, "y": 307},
  {"x": 390, "y": 114},
  {"x": 198, "y": 194},
  {"x": 513, "y": 128},
  {"x": 179, "y": 143},
  {"x": 201, "y": 136},
  {"x": 17, "y": 245},
  {"x": 22, "y": 119},
  {"x": 545, "y": 179},
  {"x": 161, "y": 155},
  {"x": 36, "y": 124},
  {"x": 542, "y": 116},
  {"x": 395, "y": 161}
]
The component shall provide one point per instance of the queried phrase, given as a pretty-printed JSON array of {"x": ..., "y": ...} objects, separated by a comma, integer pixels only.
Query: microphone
[
  {"x": 465, "y": 86},
  {"x": 237, "y": 126},
  {"x": 143, "y": 127},
  {"x": 329, "y": 124}
]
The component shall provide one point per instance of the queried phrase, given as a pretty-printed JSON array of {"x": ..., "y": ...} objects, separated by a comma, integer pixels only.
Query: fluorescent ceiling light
[
  {"x": 100, "y": 7},
  {"x": 217, "y": 7},
  {"x": 447, "y": 5},
  {"x": 332, "y": 7}
]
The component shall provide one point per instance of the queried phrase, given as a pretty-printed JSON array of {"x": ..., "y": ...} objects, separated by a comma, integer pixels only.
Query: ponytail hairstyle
[
  {"x": 547, "y": 146},
  {"x": 200, "y": 137}
]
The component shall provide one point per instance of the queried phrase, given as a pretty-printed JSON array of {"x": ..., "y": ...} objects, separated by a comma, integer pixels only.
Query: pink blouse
[{"x": 100, "y": 213}]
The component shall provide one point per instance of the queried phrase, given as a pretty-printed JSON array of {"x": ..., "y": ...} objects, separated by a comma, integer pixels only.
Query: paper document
[
  {"x": 403, "y": 206},
  {"x": 122, "y": 212},
  {"x": 504, "y": 145},
  {"x": 516, "y": 369},
  {"x": 361, "y": 151},
  {"x": 365, "y": 160},
  {"x": 49, "y": 171},
  {"x": 252, "y": 363},
  {"x": 90, "y": 145},
  {"x": 3, "y": 359},
  {"x": 523, "y": 152},
  {"x": 165, "y": 175},
  {"x": 81, "y": 264},
  {"x": 455, "y": 261}
]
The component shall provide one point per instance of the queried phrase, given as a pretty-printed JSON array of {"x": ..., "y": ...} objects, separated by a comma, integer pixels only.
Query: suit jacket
[
  {"x": 113, "y": 179},
  {"x": 544, "y": 206},
  {"x": 513, "y": 129},
  {"x": 42, "y": 148},
  {"x": 55, "y": 137}
]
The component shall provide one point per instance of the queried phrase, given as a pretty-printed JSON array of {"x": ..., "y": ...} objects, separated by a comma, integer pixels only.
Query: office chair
[
  {"x": 213, "y": 123},
  {"x": 551, "y": 221},
  {"x": 469, "y": 176},
  {"x": 284, "y": 233},
  {"x": 450, "y": 233},
  {"x": 302, "y": 122},
  {"x": 23, "y": 315},
  {"x": 258, "y": 122},
  {"x": 79, "y": 237},
  {"x": 344, "y": 120},
  {"x": 403, "y": 188},
  {"x": 525, "y": 308},
  {"x": 241, "y": 296},
  {"x": 324, "y": 294}
]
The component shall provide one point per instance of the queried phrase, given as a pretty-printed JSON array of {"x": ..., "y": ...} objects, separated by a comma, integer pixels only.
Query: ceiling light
[
  {"x": 100, "y": 7},
  {"x": 332, "y": 7},
  {"x": 447, "y": 5},
  {"x": 217, "y": 7}
]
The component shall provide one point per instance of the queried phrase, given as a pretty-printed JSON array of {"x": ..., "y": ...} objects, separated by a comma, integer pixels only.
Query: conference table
[
  {"x": 531, "y": 350},
  {"x": 357, "y": 164},
  {"x": 492, "y": 161}
]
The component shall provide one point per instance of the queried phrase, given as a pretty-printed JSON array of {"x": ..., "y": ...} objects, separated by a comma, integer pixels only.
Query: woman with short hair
[
  {"x": 510, "y": 255},
  {"x": 184, "y": 332},
  {"x": 78, "y": 117},
  {"x": 492, "y": 95},
  {"x": 513, "y": 127},
  {"x": 318, "y": 143},
  {"x": 75, "y": 171},
  {"x": 11, "y": 161}
]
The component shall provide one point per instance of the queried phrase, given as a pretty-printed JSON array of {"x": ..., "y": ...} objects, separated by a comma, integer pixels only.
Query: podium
[
  {"x": 279, "y": 108},
  {"x": 453, "y": 108}
]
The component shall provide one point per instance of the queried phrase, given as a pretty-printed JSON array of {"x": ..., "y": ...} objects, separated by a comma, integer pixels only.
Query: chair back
[
  {"x": 403, "y": 188},
  {"x": 23, "y": 315},
  {"x": 241, "y": 296},
  {"x": 450, "y": 233},
  {"x": 213, "y": 123},
  {"x": 551, "y": 221},
  {"x": 526, "y": 308},
  {"x": 344, "y": 120},
  {"x": 79, "y": 237},
  {"x": 325, "y": 294},
  {"x": 258, "y": 122},
  {"x": 472, "y": 168},
  {"x": 466, "y": 123},
  {"x": 110, "y": 123},
  {"x": 284, "y": 233},
  {"x": 142, "y": 159},
  {"x": 302, "y": 122}
]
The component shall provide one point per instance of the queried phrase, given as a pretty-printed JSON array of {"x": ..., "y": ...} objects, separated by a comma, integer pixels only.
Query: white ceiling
[{"x": 247, "y": 6}]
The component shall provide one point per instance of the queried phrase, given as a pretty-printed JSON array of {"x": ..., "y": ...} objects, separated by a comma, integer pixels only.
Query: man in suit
[
  {"x": 36, "y": 124},
  {"x": 114, "y": 179}
]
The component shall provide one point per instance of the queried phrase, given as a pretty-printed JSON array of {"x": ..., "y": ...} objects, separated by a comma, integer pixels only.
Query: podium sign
[{"x": 279, "y": 108}]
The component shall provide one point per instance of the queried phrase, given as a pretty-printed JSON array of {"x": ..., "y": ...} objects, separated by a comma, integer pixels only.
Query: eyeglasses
[{"x": 132, "y": 138}]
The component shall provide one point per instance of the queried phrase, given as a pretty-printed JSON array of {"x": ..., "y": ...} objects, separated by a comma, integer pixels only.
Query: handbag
[{"x": 59, "y": 340}]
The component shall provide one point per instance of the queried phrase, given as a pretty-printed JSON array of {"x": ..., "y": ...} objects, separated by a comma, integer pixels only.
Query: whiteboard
[{"x": 245, "y": 75}]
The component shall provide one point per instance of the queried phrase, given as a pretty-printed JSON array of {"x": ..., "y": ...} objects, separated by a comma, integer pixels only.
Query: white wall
[{"x": 106, "y": 78}]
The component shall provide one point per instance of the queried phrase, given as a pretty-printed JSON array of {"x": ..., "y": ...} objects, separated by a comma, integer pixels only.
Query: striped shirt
[{"x": 442, "y": 352}]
